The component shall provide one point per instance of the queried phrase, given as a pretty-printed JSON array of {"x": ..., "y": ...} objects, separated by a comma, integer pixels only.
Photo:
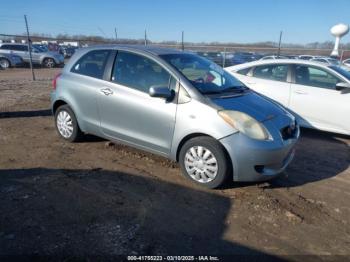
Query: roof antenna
[
  {"x": 145, "y": 37},
  {"x": 182, "y": 41}
]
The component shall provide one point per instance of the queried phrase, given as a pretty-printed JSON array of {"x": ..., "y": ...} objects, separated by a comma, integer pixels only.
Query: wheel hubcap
[
  {"x": 64, "y": 124},
  {"x": 201, "y": 164}
]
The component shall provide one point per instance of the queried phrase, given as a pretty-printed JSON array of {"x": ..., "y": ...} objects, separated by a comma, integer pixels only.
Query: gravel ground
[{"x": 97, "y": 198}]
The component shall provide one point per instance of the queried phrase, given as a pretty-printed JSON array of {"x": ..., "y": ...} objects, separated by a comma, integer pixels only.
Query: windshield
[
  {"x": 341, "y": 71},
  {"x": 206, "y": 76}
]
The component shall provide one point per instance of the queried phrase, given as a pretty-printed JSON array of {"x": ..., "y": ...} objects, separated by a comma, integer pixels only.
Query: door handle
[
  {"x": 106, "y": 91},
  {"x": 251, "y": 83},
  {"x": 300, "y": 92}
]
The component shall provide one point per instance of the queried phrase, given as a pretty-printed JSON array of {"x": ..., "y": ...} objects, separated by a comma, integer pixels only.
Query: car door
[
  {"x": 36, "y": 55},
  {"x": 14, "y": 49},
  {"x": 22, "y": 50},
  {"x": 128, "y": 113},
  {"x": 316, "y": 102},
  {"x": 271, "y": 80},
  {"x": 82, "y": 86}
]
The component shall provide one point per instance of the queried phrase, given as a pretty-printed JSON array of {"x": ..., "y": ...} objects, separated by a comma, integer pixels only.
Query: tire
[
  {"x": 4, "y": 63},
  {"x": 67, "y": 125},
  {"x": 200, "y": 169},
  {"x": 49, "y": 63}
]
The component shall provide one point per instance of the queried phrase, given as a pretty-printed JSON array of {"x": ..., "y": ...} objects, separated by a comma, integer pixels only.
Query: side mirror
[
  {"x": 161, "y": 91},
  {"x": 341, "y": 86}
]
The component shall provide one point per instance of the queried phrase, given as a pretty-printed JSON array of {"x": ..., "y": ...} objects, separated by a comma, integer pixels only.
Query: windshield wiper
[
  {"x": 238, "y": 89},
  {"x": 232, "y": 89}
]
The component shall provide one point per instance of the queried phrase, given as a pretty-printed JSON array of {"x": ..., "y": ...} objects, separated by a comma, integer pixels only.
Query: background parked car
[
  {"x": 10, "y": 60},
  {"x": 228, "y": 58},
  {"x": 307, "y": 57},
  {"x": 346, "y": 62},
  {"x": 40, "y": 57},
  {"x": 242, "y": 57},
  {"x": 273, "y": 57},
  {"x": 67, "y": 51},
  {"x": 41, "y": 47},
  {"x": 318, "y": 94},
  {"x": 326, "y": 60},
  {"x": 331, "y": 61},
  {"x": 216, "y": 57},
  {"x": 292, "y": 56}
]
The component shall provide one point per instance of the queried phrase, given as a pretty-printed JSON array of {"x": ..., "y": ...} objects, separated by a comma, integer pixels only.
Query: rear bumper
[{"x": 255, "y": 160}]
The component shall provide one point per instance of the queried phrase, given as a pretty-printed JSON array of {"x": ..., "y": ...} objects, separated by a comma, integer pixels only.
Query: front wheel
[
  {"x": 67, "y": 125},
  {"x": 49, "y": 63},
  {"x": 204, "y": 161}
]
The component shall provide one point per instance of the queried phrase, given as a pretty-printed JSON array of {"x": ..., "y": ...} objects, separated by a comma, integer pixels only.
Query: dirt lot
[{"x": 97, "y": 198}]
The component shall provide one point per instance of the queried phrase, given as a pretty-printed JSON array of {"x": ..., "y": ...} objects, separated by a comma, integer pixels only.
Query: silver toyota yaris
[{"x": 174, "y": 104}]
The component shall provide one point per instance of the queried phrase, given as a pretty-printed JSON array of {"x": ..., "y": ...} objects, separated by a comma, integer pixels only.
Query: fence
[{"x": 223, "y": 52}]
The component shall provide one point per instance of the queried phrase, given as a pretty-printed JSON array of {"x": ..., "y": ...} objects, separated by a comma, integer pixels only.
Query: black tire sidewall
[
  {"x": 224, "y": 163},
  {"x": 76, "y": 131}
]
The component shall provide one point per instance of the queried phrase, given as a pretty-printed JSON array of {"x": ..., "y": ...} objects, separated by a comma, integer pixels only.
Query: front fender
[{"x": 197, "y": 118}]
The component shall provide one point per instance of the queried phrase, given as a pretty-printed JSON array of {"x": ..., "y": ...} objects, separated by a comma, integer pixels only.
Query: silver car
[
  {"x": 40, "y": 57},
  {"x": 178, "y": 105},
  {"x": 10, "y": 60}
]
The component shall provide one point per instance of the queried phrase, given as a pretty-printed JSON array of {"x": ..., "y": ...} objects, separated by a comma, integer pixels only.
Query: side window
[
  {"x": 6, "y": 47},
  {"x": 16, "y": 48},
  {"x": 23, "y": 48},
  {"x": 138, "y": 72},
  {"x": 244, "y": 71},
  {"x": 271, "y": 72},
  {"x": 312, "y": 76},
  {"x": 92, "y": 64}
]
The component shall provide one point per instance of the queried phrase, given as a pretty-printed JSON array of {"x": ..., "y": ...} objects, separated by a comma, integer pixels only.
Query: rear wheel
[
  {"x": 204, "y": 161},
  {"x": 67, "y": 125},
  {"x": 4, "y": 63},
  {"x": 49, "y": 63}
]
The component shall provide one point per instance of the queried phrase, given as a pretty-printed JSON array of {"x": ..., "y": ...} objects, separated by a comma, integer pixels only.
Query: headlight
[{"x": 245, "y": 124}]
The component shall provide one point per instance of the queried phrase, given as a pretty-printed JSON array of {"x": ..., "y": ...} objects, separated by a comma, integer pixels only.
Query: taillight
[{"x": 54, "y": 81}]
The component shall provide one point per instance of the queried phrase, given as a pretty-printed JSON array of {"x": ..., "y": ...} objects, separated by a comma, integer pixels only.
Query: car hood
[{"x": 251, "y": 103}]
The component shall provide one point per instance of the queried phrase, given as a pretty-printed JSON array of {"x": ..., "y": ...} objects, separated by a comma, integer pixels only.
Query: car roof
[
  {"x": 275, "y": 61},
  {"x": 155, "y": 50}
]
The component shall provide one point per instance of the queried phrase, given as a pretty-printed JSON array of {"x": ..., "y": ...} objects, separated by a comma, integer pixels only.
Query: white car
[
  {"x": 317, "y": 94},
  {"x": 326, "y": 60},
  {"x": 330, "y": 61},
  {"x": 347, "y": 62},
  {"x": 307, "y": 57}
]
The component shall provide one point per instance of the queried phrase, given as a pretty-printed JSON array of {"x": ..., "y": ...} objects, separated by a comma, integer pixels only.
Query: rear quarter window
[
  {"x": 92, "y": 64},
  {"x": 244, "y": 71},
  {"x": 274, "y": 72}
]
